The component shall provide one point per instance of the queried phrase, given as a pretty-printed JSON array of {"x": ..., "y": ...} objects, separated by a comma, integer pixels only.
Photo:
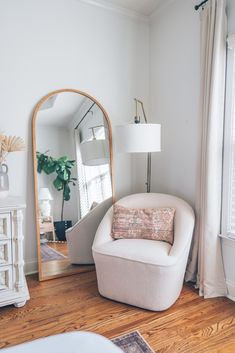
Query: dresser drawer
[
  {"x": 5, "y": 253},
  {"x": 6, "y": 280},
  {"x": 13, "y": 287},
  {"x": 5, "y": 226}
]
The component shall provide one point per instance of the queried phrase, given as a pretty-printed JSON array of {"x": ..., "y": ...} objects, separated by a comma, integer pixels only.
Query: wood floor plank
[{"x": 192, "y": 325}]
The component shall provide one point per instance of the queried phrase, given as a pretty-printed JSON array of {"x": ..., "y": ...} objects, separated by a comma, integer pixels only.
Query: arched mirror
[{"x": 72, "y": 153}]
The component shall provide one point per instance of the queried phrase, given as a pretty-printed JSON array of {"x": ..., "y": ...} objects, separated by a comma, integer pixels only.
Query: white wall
[
  {"x": 174, "y": 96},
  {"x": 51, "y": 44}
]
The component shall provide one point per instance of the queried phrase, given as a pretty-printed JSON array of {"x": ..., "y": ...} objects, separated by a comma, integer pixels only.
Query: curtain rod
[
  {"x": 197, "y": 7},
  {"x": 85, "y": 115}
]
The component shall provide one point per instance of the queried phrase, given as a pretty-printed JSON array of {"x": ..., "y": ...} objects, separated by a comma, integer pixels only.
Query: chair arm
[
  {"x": 183, "y": 231},
  {"x": 103, "y": 233}
]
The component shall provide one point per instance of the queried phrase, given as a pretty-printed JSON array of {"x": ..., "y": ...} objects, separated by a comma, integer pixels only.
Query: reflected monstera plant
[{"x": 62, "y": 167}]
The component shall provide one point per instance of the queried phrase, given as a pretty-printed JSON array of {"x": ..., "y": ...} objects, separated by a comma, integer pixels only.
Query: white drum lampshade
[
  {"x": 45, "y": 197},
  {"x": 138, "y": 138},
  {"x": 44, "y": 194},
  {"x": 95, "y": 152}
]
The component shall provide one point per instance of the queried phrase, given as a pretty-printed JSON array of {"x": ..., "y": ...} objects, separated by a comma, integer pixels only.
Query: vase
[
  {"x": 60, "y": 228},
  {"x": 4, "y": 181}
]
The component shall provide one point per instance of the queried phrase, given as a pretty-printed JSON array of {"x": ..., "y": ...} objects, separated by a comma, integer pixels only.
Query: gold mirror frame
[{"x": 34, "y": 119}]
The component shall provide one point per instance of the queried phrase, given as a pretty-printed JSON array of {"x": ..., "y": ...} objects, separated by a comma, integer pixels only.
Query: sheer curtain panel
[{"x": 206, "y": 261}]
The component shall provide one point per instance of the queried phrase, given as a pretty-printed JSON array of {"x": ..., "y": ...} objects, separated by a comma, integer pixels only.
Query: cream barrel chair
[{"x": 145, "y": 273}]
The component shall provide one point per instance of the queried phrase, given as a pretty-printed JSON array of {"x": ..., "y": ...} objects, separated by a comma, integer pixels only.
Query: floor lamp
[{"x": 139, "y": 138}]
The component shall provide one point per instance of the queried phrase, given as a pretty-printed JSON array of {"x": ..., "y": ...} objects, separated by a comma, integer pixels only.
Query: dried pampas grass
[
  {"x": 10, "y": 144},
  {"x": 13, "y": 144}
]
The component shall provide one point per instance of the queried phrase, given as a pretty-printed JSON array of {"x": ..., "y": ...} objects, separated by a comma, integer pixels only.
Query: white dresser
[{"x": 13, "y": 287}]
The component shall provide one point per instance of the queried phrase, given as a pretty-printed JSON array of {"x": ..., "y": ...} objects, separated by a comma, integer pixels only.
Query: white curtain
[{"x": 206, "y": 260}]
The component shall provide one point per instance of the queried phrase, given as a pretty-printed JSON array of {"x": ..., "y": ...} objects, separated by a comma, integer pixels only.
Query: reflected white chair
[
  {"x": 145, "y": 273},
  {"x": 80, "y": 237}
]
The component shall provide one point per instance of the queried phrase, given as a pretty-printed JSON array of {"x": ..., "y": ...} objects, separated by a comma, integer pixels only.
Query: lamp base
[{"x": 45, "y": 208}]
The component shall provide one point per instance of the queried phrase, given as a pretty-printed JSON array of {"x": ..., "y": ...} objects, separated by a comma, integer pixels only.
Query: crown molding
[
  {"x": 161, "y": 6},
  {"x": 118, "y": 9}
]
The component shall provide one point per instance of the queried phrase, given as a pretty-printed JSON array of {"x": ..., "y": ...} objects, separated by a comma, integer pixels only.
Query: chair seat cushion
[{"x": 138, "y": 250}]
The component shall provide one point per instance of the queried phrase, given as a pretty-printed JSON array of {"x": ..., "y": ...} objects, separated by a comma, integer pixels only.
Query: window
[
  {"x": 93, "y": 181},
  {"x": 228, "y": 216}
]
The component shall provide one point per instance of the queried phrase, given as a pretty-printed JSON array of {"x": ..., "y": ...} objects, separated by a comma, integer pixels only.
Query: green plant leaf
[
  {"x": 66, "y": 192},
  {"x": 50, "y": 166},
  {"x": 62, "y": 167},
  {"x": 62, "y": 160},
  {"x": 64, "y": 175},
  {"x": 42, "y": 158},
  {"x": 70, "y": 164},
  {"x": 58, "y": 184}
]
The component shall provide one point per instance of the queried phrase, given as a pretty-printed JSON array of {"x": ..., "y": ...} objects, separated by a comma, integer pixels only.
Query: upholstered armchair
[{"x": 145, "y": 273}]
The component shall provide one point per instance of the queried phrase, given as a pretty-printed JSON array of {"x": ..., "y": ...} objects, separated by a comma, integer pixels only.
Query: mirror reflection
[{"x": 72, "y": 156}]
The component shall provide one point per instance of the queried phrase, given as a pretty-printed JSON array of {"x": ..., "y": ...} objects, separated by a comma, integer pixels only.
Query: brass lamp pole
[{"x": 149, "y": 156}]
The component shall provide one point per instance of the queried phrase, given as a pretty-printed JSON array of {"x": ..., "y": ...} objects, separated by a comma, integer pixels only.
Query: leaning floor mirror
[{"x": 72, "y": 154}]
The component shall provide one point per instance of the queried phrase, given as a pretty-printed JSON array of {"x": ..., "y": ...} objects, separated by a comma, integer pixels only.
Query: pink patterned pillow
[{"x": 146, "y": 223}]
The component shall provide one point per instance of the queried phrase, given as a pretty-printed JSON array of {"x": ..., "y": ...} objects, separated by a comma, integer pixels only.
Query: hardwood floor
[{"x": 192, "y": 325}]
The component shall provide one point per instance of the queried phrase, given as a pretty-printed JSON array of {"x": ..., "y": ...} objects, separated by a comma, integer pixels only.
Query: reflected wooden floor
[
  {"x": 56, "y": 268},
  {"x": 60, "y": 247},
  {"x": 192, "y": 325}
]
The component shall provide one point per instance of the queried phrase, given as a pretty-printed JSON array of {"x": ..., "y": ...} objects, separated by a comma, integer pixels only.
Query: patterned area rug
[
  {"x": 49, "y": 254},
  {"x": 132, "y": 343}
]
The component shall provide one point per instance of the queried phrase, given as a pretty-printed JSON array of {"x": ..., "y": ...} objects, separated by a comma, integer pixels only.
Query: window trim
[{"x": 228, "y": 133}]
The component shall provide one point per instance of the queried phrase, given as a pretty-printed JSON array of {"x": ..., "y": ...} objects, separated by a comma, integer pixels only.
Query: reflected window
[{"x": 93, "y": 181}]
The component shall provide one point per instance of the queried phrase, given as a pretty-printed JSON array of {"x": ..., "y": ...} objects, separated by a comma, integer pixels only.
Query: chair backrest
[
  {"x": 153, "y": 200},
  {"x": 184, "y": 216}
]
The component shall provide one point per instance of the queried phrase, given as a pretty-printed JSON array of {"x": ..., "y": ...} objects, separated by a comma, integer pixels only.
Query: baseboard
[
  {"x": 231, "y": 290},
  {"x": 31, "y": 267}
]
